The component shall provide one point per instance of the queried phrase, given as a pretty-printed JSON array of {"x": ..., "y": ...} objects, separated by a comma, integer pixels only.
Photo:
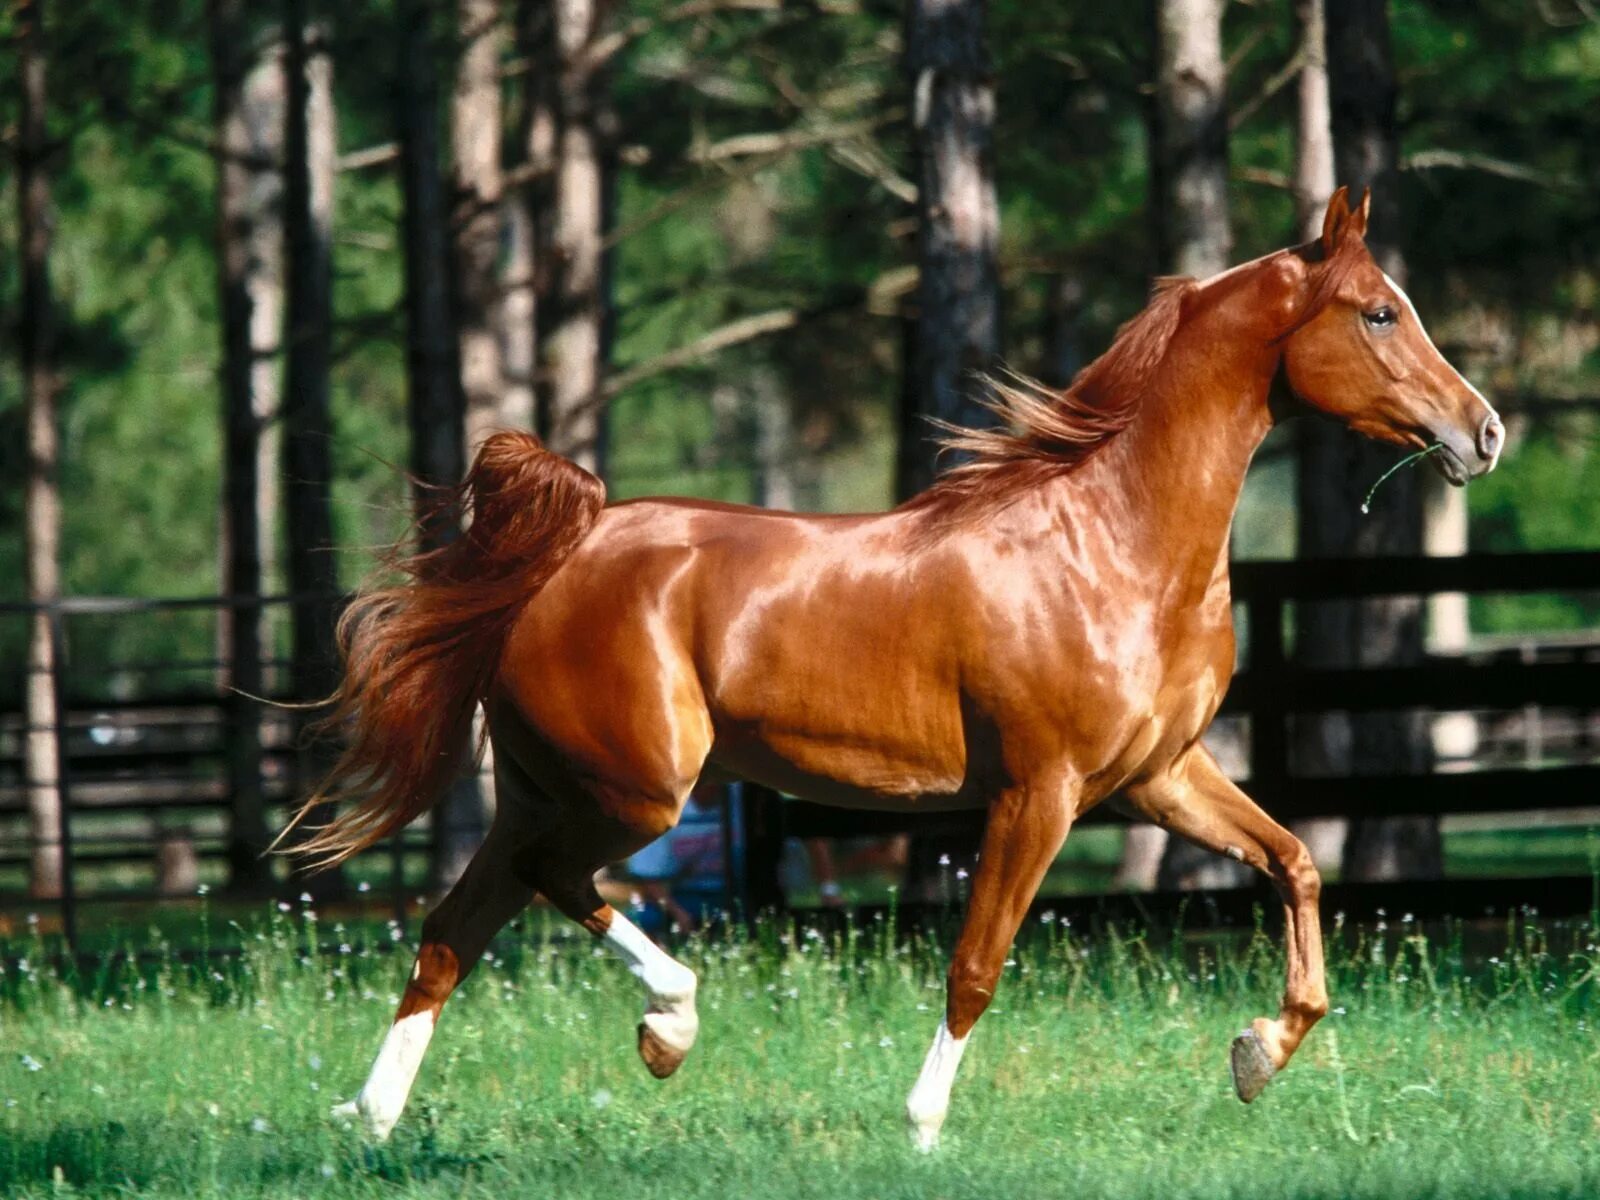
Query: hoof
[
  {"x": 375, "y": 1128},
  {"x": 1251, "y": 1064},
  {"x": 925, "y": 1135},
  {"x": 660, "y": 1059}
]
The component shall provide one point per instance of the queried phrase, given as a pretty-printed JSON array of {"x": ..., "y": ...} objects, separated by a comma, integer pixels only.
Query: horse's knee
[{"x": 1297, "y": 873}]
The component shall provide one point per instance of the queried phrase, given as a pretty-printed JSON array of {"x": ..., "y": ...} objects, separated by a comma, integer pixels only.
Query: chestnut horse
[{"x": 1047, "y": 625}]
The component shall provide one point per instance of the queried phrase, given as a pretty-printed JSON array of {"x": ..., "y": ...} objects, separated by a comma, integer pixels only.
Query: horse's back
[{"x": 802, "y": 646}]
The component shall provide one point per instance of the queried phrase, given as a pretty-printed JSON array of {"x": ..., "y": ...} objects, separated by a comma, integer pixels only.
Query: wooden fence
[
  {"x": 1270, "y": 688},
  {"x": 139, "y": 764}
]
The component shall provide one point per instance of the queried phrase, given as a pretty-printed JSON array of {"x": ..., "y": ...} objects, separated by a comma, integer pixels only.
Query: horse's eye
[{"x": 1381, "y": 318}]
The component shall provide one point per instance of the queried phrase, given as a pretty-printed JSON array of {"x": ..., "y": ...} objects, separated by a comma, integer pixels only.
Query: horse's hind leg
[
  {"x": 454, "y": 936},
  {"x": 1024, "y": 834},
  {"x": 1194, "y": 798},
  {"x": 671, "y": 1023}
]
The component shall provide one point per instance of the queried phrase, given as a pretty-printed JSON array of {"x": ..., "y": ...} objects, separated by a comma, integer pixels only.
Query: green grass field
[{"x": 1464, "y": 1064}]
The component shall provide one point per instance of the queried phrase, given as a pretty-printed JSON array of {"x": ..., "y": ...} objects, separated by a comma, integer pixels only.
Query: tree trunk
[
  {"x": 42, "y": 499},
  {"x": 576, "y": 347},
  {"x": 1313, "y": 163},
  {"x": 782, "y": 480},
  {"x": 956, "y": 327},
  {"x": 1313, "y": 185},
  {"x": 475, "y": 122},
  {"x": 241, "y": 516},
  {"x": 958, "y": 226},
  {"x": 526, "y": 215},
  {"x": 518, "y": 315},
  {"x": 265, "y": 98},
  {"x": 1192, "y": 136},
  {"x": 436, "y": 400},
  {"x": 530, "y": 221},
  {"x": 1336, "y": 467},
  {"x": 436, "y": 408},
  {"x": 1190, "y": 146},
  {"x": 309, "y": 157}
]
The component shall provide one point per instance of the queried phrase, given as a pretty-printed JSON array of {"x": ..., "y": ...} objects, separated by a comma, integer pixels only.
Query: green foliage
[
  {"x": 1544, "y": 496},
  {"x": 1497, "y": 232}
]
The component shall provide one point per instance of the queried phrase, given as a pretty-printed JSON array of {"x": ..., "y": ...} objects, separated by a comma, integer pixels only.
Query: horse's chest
[{"x": 1127, "y": 691}]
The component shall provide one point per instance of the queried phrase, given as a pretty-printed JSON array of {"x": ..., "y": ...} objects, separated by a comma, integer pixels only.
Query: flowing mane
[{"x": 1042, "y": 429}]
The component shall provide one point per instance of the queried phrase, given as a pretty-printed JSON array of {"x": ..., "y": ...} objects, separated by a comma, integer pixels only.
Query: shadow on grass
[{"x": 163, "y": 1156}]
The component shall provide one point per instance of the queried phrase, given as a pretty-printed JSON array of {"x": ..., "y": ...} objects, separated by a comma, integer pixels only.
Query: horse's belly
[{"x": 845, "y": 771}]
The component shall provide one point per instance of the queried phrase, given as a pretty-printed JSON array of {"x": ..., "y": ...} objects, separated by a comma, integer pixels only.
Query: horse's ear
[
  {"x": 1333, "y": 220},
  {"x": 1357, "y": 224}
]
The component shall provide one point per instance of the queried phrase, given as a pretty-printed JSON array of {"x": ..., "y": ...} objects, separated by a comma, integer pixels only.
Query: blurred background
[{"x": 259, "y": 261}]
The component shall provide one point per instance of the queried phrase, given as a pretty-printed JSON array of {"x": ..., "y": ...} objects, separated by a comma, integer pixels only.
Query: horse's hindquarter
[{"x": 790, "y": 648}]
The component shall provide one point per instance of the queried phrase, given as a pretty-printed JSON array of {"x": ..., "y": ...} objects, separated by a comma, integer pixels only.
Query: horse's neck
[{"x": 1175, "y": 474}]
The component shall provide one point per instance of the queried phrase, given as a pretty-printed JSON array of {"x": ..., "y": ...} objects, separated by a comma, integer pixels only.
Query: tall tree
[
  {"x": 526, "y": 214},
  {"x": 1191, "y": 138},
  {"x": 1335, "y": 467},
  {"x": 475, "y": 123},
  {"x": 309, "y": 157},
  {"x": 435, "y": 397},
  {"x": 955, "y": 329},
  {"x": 576, "y": 347},
  {"x": 1313, "y": 144},
  {"x": 957, "y": 319},
  {"x": 265, "y": 98},
  {"x": 42, "y": 497},
  {"x": 1313, "y": 185},
  {"x": 436, "y": 400},
  {"x": 241, "y": 517},
  {"x": 1189, "y": 171}
]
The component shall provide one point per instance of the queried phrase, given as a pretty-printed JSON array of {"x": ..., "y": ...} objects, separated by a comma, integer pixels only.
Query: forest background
[{"x": 684, "y": 239}]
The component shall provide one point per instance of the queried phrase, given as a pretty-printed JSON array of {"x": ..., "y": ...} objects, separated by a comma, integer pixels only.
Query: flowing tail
[{"x": 420, "y": 655}]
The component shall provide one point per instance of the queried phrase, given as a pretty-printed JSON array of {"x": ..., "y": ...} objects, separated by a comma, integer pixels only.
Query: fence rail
[
  {"x": 165, "y": 762},
  {"x": 1270, "y": 688}
]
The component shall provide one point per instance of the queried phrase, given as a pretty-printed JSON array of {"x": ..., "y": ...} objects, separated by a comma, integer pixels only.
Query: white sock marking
[
  {"x": 662, "y": 974},
  {"x": 670, "y": 1014},
  {"x": 930, "y": 1097},
  {"x": 383, "y": 1096}
]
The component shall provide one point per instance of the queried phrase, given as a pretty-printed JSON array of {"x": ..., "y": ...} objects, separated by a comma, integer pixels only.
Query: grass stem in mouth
[{"x": 1366, "y": 505}]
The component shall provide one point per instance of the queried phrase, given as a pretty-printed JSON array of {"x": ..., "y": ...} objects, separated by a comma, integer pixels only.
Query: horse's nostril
[{"x": 1491, "y": 436}]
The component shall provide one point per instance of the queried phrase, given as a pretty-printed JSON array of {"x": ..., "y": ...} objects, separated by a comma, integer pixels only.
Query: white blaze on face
[
  {"x": 1423, "y": 329},
  {"x": 383, "y": 1097},
  {"x": 930, "y": 1097}
]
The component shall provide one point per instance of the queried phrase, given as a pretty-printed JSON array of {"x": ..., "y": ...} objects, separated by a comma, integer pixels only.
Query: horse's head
[{"x": 1364, "y": 357}]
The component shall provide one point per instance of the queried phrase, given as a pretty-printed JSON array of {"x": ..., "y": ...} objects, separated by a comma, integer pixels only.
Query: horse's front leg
[
  {"x": 1026, "y": 828},
  {"x": 1194, "y": 798}
]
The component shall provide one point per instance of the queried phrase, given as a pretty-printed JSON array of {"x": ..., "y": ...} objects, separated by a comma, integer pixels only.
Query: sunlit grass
[{"x": 1453, "y": 1066}]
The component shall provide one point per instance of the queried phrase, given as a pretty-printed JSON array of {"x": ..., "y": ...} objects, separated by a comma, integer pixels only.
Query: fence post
[
  {"x": 248, "y": 870},
  {"x": 1268, "y": 738},
  {"x": 58, "y": 670},
  {"x": 763, "y": 848},
  {"x": 397, "y": 877}
]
